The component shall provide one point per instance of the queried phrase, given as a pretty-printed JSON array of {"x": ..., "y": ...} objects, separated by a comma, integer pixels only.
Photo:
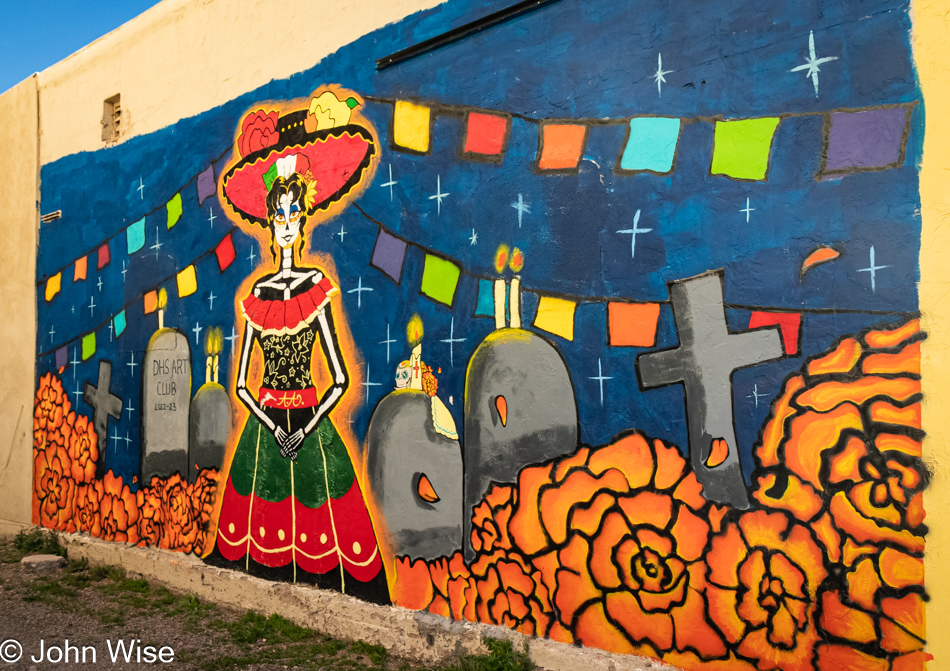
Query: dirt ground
[{"x": 96, "y": 607}]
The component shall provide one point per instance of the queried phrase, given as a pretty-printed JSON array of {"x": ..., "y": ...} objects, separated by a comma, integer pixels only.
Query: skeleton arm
[
  {"x": 331, "y": 349},
  {"x": 250, "y": 335}
]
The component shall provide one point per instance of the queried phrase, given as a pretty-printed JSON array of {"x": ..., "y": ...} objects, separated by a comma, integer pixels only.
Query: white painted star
[
  {"x": 658, "y": 76},
  {"x": 474, "y": 238},
  {"x": 812, "y": 62}
]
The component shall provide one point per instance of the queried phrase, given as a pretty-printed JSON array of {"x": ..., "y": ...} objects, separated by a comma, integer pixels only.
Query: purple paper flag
[
  {"x": 389, "y": 254},
  {"x": 62, "y": 358},
  {"x": 206, "y": 184},
  {"x": 868, "y": 140}
]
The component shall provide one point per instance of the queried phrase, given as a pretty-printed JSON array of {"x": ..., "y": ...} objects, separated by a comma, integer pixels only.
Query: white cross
[
  {"x": 812, "y": 62},
  {"x": 451, "y": 340},
  {"x": 92, "y": 305},
  {"x": 157, "y": 245},
  {"x": 141, "y": 189},
  {"x": 115, "y": 438},
  {"x": 197, "y": 331},
  {"x": 747, "y": 209},
  {"x": 359, "y": 293},
  {"x": 756, "y": 395},
  {"x": 77, "y": 394},
  {"x": 474, "y": 238},
  {"x": 74, "y": 363},
  {"x": 110, "y": 331},
  {"x": 99, "y": 283},
  {"x": 633, "y": 233},
  {"x": 872, "y": 269},
  {"x": 601, "y": 379},
  {"x": 251, "y": 257},
  {"x": 52, "y": 332},
  {"x": 211, "y": 298},
  {"x": 369, "y": 384},
  {"x": 438, "y": 196},
  {"x": 390, "y": 183},
  {"x": 129, "y": 409},
  {"x": 74, "y": 309},
  {"x": 211, "y": 216},
  {"x": 231, "y": 339},
  {"x": 341, "y": 233},
  {"x": 124, "y": 271},
  {"x": 522, "y": 207},
  {"x": 658, "y": 76},
  {"x": 127, "y": 440},
  {"x": 132, "y": 363},
  {"x": 388, "y": 341}
]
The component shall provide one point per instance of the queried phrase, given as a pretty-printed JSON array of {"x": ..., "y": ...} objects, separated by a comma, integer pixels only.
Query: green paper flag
[
  {"x": 440, "y": 279},
  {"x": 174, "y": 210},
  {"x": 88, "y": 345},
  {"x": 741, "y": 148}
]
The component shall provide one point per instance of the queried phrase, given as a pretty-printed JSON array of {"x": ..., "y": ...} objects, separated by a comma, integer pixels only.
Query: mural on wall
[{"x": 633, "y": 365}]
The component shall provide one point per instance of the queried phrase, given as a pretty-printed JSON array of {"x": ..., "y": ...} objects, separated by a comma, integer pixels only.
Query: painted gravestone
[
  {"x": 166, "y": 396},
  {"x": 211, "y": 414},
  {"x": 415, "y": 473}
]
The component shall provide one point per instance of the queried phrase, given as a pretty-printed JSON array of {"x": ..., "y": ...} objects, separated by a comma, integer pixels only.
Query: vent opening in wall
[{"x": 111, "y": 118}]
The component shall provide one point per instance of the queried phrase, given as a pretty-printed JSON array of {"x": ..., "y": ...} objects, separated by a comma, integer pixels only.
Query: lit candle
[
  {"x": 207, "y": 370},
  {"x": 415, "y": 368},
  {"x": 215, "y": 367}
]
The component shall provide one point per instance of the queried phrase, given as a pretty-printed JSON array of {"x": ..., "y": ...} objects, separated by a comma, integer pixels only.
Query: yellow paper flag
[
  {"x": 187, "y": 282},
  {"x": 411, "y": 126},
  {"x": 53, "y": 285},
  {"x": 556, "y": 315}
]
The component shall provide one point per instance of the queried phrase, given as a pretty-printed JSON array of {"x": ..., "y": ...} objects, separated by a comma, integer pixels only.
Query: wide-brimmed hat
[{"x": 333, "y": 160}]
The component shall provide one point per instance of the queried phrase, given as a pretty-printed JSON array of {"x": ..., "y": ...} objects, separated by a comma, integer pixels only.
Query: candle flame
[
  {"x": 501, "y": 258},
  {"x": 162, "y": 299},
  {"x": 214, "y": 341},
  {"x": 414, "y": 330},
  {"x": 517, "y": 260}
]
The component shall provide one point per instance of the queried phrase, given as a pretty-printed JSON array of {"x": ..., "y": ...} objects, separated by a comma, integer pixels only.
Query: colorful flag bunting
[
  {"x": 389, "y": 254},
  {"x": 411, "y": 124},
  {"x": 53, "y": 286},
  {"x": 224, "y": 252},
  {"x": 741, "y": 148},
  {"x": 103, "y": 256},
  {"x": 440, "y": 278},
  {"x": 206, "y": 186},
  {"x": 187, "y": 282},
  {"x": 486, "y": 136},
  {"x": 485, "y": 304},
  {"x": 790, "y": 323},
  {"x": 632, "y": 324},
  {"x": 561, "y": 146},
  {"x": 62, "y": 358},
  {"x": 88, "y": 345},
  {"x": 80, "y": 270},
  {"x": 118, "y": 323},
  {"x": 651, "y": 145},
  {"x": 174, "y": 210},
  {"x": 867, "y": 140},
  {"x": 135, "y": 236},
  {"x": 150, "y": 302},
  {"x": 556, "y": 315}
]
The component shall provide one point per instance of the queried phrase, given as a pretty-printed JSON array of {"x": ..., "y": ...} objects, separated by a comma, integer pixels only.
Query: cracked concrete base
[{"x": 423, "y": 637}]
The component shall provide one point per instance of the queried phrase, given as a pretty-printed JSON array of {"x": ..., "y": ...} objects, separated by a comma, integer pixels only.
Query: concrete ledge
[{"x": 423, "y": 637}]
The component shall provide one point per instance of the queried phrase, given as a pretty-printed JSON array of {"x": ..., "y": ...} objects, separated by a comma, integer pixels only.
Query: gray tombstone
[
  {"x": 210, "y": 425},
  {"x": 541, "y": 413},
  {"x": 166, "y": 397},
  {"x": 401, "y": 447}
]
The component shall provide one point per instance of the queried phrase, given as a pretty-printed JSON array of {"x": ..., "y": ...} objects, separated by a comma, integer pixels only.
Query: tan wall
[
  {"x": 18, "y": 198},
  {"x": 183, "y": 57}
]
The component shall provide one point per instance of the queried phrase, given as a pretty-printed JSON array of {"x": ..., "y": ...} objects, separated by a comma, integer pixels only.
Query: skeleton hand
[{"x": 291, "y": 443}]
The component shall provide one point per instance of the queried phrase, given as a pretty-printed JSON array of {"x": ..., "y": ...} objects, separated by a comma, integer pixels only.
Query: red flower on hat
[{"x": 258, "y": 130}]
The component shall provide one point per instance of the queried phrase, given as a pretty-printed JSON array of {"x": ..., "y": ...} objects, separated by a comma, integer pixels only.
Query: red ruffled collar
[{"x": 287, "y": 316}]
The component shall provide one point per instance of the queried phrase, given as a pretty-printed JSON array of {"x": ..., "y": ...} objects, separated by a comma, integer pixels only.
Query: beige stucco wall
[
  {"x": 18, "y": 197},
  {"x": 183, "y": 57}
]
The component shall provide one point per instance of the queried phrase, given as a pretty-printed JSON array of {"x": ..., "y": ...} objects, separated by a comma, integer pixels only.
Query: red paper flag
[
  {"x": 789, "y": 322},
  {"x": 486, "y": 135},
  {"x": 225, "y": 252},
  {"x": 103, "y": 256}
]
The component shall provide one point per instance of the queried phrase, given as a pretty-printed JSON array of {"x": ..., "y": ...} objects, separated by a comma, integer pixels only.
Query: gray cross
[
  {"x": 104, "y": 405},
  {"x": 703, "y": 363}
]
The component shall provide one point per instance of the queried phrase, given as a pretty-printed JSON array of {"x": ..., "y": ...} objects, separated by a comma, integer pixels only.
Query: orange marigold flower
[
  {"x": 203, "y": 495},
  {"x": 149, "y": 501},
  {"x": 413, "y": 588},
  {"x": 180, "y": 524},
  {"x": 119, "y": 511},
  {"x": 54, "y": 491},
  {"x": 83, "y": 449},
  {"x": 510, "y": 593},
  {"x": 87, "y": 515},
  {"x": 51, "y": 408},
  {"x": 490, "y": 520},
  {"x": 764, "y": 574}
]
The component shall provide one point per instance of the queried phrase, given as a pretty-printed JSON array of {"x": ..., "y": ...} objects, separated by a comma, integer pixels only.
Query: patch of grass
[
  {"x": 195, "y": 612},
  {"x": 253, "y": 627},
  {"x": 33, "y": 542},
  {"x": 51, "y": 592},
  {"x": 502, "y": 657},
  {"x": 377, "y": 654}
]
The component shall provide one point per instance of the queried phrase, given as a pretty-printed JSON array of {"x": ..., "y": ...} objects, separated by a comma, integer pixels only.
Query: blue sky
[{"x": 39, "y": 33}]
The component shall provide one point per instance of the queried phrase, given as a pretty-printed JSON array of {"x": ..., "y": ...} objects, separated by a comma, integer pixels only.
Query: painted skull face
[
  {"x": 287, "y": 221},
  {"x": 402, "y": 375}
]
